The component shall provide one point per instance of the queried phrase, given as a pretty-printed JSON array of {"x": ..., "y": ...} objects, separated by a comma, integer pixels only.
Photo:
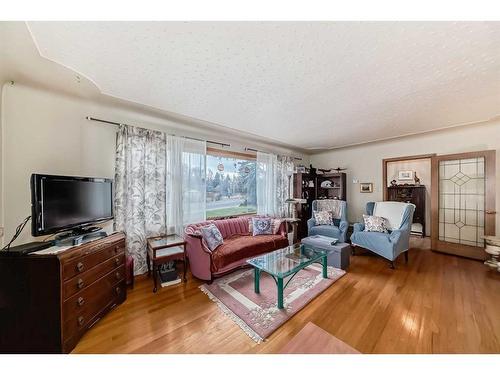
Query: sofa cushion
[
  {"x": 230, "y": 227},
  {"x": 325, "y": 230},
  {"x": 245, "y": 246}
]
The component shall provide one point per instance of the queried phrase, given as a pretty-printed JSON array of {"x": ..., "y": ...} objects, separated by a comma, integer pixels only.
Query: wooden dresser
[
  {"x": 47, "y": 302},
  {"x": 410, "y": 194}
]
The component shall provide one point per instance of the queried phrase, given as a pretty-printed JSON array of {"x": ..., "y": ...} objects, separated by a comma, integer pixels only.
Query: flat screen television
[{"x": 60, "y": 203}]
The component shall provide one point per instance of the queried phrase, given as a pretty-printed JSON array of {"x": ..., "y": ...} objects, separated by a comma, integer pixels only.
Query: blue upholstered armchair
[
  {"x": 388, "y": 245},
  {"x": 338, "y": 229}
]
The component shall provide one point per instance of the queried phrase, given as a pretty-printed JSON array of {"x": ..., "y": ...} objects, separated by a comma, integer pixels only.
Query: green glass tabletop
[{"x": 287, "y": 261}]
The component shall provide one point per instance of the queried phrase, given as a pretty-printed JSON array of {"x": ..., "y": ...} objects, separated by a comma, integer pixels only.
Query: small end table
[
  {"x": 163, "y": 249},
  {"x": 291, "y": 223}
]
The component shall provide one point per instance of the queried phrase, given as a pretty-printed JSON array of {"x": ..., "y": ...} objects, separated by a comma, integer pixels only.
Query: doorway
[
  {"x": 463, "y": 202},
  {"x": 408, "y": 179}
]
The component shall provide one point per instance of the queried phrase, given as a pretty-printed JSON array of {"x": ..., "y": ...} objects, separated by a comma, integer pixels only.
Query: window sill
[{"x": 232, "y": 216}]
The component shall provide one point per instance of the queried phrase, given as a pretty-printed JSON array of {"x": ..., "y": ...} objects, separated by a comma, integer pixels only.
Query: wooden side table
[
  {"x": 163, "y": 249},
  {"x": 291, "y": 223}
]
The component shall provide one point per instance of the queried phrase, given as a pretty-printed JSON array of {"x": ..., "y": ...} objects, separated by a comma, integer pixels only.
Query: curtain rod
[
  {"x": 118, "y": 123},
  {"x": 254, "y": 150}
]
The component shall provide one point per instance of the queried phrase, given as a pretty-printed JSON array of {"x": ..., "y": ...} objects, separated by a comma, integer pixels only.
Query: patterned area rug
[{"x": 258, "y": 314}]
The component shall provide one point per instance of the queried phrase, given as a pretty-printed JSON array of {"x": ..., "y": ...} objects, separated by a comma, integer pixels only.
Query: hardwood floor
[{"x": 436, "y": 303}]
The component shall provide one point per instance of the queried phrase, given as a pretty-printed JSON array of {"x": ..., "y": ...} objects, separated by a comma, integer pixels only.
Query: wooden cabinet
[
  {"x": 304, "y": 188},
  {"x": 312, "y": 186},
  {"x": 331, "y": 186},
  {"x": 410, "y": 194},
  {"x": 47, "y": 302}
]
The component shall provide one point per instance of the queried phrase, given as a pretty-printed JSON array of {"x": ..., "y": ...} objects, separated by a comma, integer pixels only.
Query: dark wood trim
[
  {"x": 230, "y": 154},
  {"x": 434, "y": 201},
  {"x": 489, "y": 223},
  {"x": 396, "y": 159},
  {"x": 411, "y": 157}
]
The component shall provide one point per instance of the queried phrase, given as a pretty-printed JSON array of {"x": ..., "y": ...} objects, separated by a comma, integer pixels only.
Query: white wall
[
  {"x": 422, "y": 169},
  {"x": 46, "y": 132},
  {"x": 364, "y": 162}
]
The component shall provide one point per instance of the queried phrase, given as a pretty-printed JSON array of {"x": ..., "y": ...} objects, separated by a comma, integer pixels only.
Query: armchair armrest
[
  {"x": 358, "y": 227},
  {"x": 395, "y": 235},
  {"x": 199, "y": 256},
  {"x": 343, "y": 225},
  {"x": 195, "y": 243},
  {"x": 311, "y": 223}
]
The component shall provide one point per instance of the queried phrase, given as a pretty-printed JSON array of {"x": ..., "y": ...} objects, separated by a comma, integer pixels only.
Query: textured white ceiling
[{"x": 309, "y": 84}]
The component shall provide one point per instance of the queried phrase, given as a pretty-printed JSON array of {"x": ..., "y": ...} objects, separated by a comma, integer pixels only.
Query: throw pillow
[
  {"x": 212, "y": 236},
  {"x": 375, "y": 224},
  {"x": 275, "y": 224},
  {"x": 323, "y": 217},
  {"x": 262, "y": 225}
]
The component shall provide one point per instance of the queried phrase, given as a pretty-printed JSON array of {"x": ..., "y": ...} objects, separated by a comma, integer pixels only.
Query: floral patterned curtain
[
  {"x": 284, "y": 184},
  {"x": 140, "y": 189}
]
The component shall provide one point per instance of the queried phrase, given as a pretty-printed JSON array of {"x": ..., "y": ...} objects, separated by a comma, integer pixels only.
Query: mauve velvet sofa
[{"x": 239, "y": 245}]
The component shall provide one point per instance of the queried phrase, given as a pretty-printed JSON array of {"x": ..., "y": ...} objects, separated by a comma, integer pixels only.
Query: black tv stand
[{"x": 79, "y": 236}]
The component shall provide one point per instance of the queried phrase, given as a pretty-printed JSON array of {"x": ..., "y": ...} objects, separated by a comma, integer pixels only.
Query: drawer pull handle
[
  {"x": 117, "y": 275},
  {"x": 79, "y": 267},
  {"x": 118, "y": 290},
  {"x": 117, "y": 261},
  {"x": 80, "y": 283},
  {"x": 117, "y": 248},
  {"x": 81, "y": 320},
  {"x": 80, "y": 301}
]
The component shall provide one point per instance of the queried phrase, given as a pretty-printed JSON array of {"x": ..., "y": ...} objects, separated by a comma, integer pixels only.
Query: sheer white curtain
[
  {"x": 267, "y": 174},
  {"x": 273, "y": 185},
  {"x": 185, "y": 181}
]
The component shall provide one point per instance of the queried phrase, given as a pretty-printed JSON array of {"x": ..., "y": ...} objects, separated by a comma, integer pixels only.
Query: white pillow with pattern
[
  {"x": 375, "y": 224},
  {"x": 323, "y": 217}
]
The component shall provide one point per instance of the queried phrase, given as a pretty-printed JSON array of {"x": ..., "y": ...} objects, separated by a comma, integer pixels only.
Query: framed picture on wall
[
  {"x": 366, "y": 187},
  {"x": 405, "y": 175}
]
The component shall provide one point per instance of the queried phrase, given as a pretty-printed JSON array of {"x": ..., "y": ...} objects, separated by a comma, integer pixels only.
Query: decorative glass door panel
[{"x": 461, "y": 201}]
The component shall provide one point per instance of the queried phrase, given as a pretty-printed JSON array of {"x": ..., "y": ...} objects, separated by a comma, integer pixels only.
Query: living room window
[{"x": 230, "y": 184}]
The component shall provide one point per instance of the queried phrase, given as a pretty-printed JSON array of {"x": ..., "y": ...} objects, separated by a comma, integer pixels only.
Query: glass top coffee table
[{"x": 287, "y": 262}]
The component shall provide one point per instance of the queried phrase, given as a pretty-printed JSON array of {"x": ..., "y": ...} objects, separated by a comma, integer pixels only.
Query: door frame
[
  {"x": 489, "y": 204},
  {"x": 396, "y": 159}
]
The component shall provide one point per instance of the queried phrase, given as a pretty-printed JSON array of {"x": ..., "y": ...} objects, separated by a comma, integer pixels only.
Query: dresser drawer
[
  {"x": 78, "y": 266},
  {"x": 83, "y": 280},
  {"x": 76, "y": 325},
  {"x": 92, "y": 247},
  {"x": 90, "y": 298}
]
